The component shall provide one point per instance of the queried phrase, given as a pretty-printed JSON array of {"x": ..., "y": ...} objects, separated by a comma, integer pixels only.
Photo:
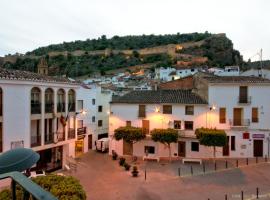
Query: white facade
[
  {"x": 248, "y": 135},
  {"x": 170, "y": 73},
  {"x": 264, "y": 73},
  {"x": 95, "y": 117},
  {"x": 31, "y": 117},
  {"x": 227, "y": 71}
]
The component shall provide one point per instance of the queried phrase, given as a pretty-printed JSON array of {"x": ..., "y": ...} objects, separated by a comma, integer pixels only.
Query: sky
[{"x": 29, "y": 24}]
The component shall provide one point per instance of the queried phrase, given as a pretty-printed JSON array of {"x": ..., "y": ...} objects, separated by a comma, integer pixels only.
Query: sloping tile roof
[
  {"x": 8, "y": 74},
  {"x": 160, "y": 96},
  {"x": 236, "y": 79},
  {"x": 182, "y": 83}
]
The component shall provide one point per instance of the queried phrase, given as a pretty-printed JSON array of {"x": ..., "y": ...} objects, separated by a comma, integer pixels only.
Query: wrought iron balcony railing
[
  {"x": 239, "y": 122},
  {"x": 71, "y": 133},
  {"x": 48, "y": 107},
  {"x": 81, "y": 131},
  {"x": 35, "y": 108},
  {"x": 61, "y": 107},
  {"x": 48, "y": 138},
  {"x": 244, "y": 99},
  {"x": 35, "y": 140},
  {"x": 71, "y": 107}
]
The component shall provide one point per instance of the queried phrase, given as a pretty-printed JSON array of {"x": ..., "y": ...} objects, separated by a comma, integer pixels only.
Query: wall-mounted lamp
[
  {"x": 157, "y": 109},
  {"x": 212, "y": 108},
  {"x": 83, "y": 112}
]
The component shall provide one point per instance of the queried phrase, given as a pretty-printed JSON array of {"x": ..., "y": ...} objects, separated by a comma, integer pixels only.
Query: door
[
  {"x": 258, "y": 148},
  {"x": 237, "y": 116},
  {"x": 90, "y": 142},
  {"x": 243, "y": 93},
  {"x": 181, "y": 148},
  {"x": 78, "y": 147},
  {"x": 146, "y": 126},
  {"x": 226, "y": 148},
  {"x": 127, "y": 148}
]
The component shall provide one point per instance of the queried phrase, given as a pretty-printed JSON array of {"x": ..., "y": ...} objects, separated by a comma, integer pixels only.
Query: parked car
[{"x": 102, "y": 144}]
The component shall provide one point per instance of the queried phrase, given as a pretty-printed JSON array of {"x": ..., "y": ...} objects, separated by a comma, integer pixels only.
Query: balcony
[
  {"x": 61, "y": 136},
  {"x": 244, "y": 99},
  {"x": 48, "y": 138},
  {"x": 61, "y": 107},
  {"x": 71, "y": 107},
  {"x": 35, "y": 108},
  {"x": 186, "y": 133},
  {"x": 48, "y": 107},
  {"x": 239, "y": 122},
  {"x": 81, "y": 131},
  {"x": 71, "y": 133},
  {"x": 141, "y": 114},
  {"x": 35, "y": 140}
]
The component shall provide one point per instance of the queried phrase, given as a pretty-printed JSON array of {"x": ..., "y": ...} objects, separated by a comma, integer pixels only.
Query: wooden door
[
  {"x": 243, "y": 93},
  {"x": 90, "y": 142},
  {"x": 146, "y": 126},
  {"x": 237, "y": 116},
  {"x": 226, "y": 148},
  {"x": 181, "y": 148},
  {"x": 258, "y": 148},
  {"x": 127, "y": 148}
]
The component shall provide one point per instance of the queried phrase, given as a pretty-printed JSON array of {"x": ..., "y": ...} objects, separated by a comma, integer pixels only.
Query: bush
[
  {"x": 126, "y": 166},
  {"x": 114, "y": 155},
  {"x": 129, "y": 134},
  {"x": 135, "y": 171},
  {"x": 62, "y": 187},
  {"x": 122, "y": 161}
]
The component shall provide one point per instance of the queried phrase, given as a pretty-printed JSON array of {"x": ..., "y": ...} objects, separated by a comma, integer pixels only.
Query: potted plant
[
  {"x": 114, "y": 155},
  {"x": 122, "y": 161},
  {"x": 135, "y": 171},
  {"x": 126, "y": 166}
]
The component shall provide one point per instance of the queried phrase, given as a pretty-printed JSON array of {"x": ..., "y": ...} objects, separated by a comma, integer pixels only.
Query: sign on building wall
[
  {"x": 258, "y": 136},
  {"x": 17, "y": 144}
]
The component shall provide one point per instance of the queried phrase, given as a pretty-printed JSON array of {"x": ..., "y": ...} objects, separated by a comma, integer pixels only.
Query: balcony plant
[
  {"x": 211, "y": 137},
  {"x": 135, "y": 171},
  {"x": 114, "y": 155},
  {"x": 166, "y": 137},
  {"x": 122, "y": 161},
  {"x": 126, "y": 166}
]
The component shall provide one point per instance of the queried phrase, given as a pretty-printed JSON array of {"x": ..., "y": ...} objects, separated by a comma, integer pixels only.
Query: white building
[
  {"x": 227, "y": 71},
  {"x": 264, "y": 73},
  {"x": 38, "y": 112},
  {"x": 238, "y": 105},
  {"x": 170, "y": 73},
  {"x": 93, "y": 122}
]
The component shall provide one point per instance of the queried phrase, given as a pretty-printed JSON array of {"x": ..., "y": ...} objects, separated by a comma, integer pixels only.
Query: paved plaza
[{"x": 103, "y": 178}]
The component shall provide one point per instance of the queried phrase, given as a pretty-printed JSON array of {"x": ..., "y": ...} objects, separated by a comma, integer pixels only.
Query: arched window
[
  {"x": 49, "y": 100},
  {"x": 35, "y": 101},
  {"x": 61, "y": 100},
  {"x": 71, "y": 100}
]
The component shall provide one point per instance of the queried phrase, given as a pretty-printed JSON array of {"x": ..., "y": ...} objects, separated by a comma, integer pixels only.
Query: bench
[
  {"x": 151, "y": 157},
  {"x": 196, "y": 160}
]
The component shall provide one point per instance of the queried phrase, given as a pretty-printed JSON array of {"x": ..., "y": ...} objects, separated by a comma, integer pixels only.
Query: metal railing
[
  {"x": 61, "y": 107},
  {"x": 244, "y": 100},
  {"x": 81, "y": 131},
  {"x": 48, "y": 107},
  {"x": 31, "y": 189},
  {"x": 71, "y": 133},
  {"x": 71, "y": 107},
  {"x": 239, "y": 122},
  {"x": 61, "y": 136},
  {"x": 35, "y": 108},
  {"x": 48, "y": 138},
  {"x": 35, "y": 140}
]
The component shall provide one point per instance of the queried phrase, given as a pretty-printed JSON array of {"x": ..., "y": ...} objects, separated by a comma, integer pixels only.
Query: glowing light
[
  {"x": 84, "y": 112},
  {"x": 108, "y": 112},
  {"x": 157, "y": 109}
]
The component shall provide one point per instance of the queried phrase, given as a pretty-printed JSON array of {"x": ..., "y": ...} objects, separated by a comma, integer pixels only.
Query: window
[
  {"x": 93, "y": 119},
  {"x": 80, "y": 105},
  {"x": 149, "y": 149},
  {"x": 142, "y": 111},
  {"x": 128, "y": 123},
  {"x": 93, "y": 101},
  {"x": 222, "y": 115},
  {"x": 188, "y": 125},
  {"x": 255, "y": 118},
  {"x": 233, "y": 143},
  {"x": 99, "y": 123},
  {"x": 195, "y": 146},
  {"x": 99, "y": 108},
  {"x": 243, "y": 94},
  {"x": 167, "y": 109},
  {"x": 189, "y": 110},
  {"x": 79, "y": 123},
  {"x": 177, "y": 124}
]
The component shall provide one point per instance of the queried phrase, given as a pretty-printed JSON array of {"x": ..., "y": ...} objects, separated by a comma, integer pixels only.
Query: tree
[
  {"x": 129, "y": 134},
  {"x": 211, "y": 137},
  {"x": 166, "y": 137},
  {"x": 62, "y": 187}
]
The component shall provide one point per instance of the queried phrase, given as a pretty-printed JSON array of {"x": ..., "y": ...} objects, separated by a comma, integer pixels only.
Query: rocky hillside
[{"x": 101, "y": 55}]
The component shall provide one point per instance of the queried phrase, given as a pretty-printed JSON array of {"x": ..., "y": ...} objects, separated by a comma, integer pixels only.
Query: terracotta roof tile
[{"x": 160, "y": 96}]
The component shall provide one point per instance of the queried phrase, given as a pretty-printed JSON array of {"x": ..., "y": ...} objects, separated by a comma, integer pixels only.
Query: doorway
[
  {"x": 226, "y": 148},
  {"x": 258, "y": 148},
  {"x": 181, "y": 149},
  {"x": 237, "y": 116},
  {"x": 78, "y": 148},
  {"x": 90, "y": 140},
  {"x": 127, "y": 148},
  {"x": 146, "y": 126}
]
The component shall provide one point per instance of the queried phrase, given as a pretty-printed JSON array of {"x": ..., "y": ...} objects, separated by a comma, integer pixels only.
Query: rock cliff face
[{"x": 102, "y": 55}]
